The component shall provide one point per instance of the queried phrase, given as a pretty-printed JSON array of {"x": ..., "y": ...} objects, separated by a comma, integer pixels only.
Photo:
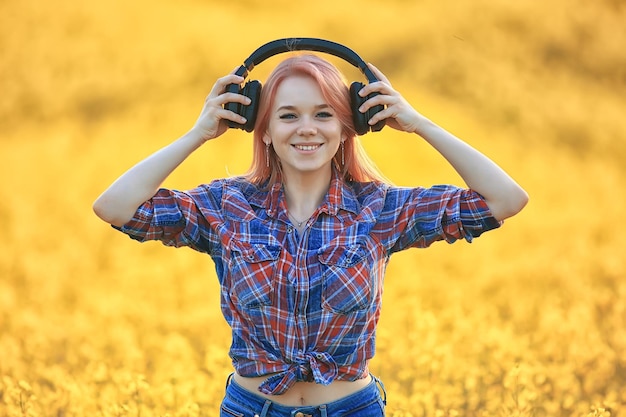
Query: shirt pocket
[
  {"x": 252, "y": 267},
  {"x": 346, "y": 279}
]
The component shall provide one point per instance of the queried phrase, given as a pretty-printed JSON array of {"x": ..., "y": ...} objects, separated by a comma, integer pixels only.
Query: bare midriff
[{"x": 305, "y": 393}]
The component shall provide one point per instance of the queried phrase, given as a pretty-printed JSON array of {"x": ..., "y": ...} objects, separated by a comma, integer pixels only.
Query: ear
[{"x": 267, "y": 139}]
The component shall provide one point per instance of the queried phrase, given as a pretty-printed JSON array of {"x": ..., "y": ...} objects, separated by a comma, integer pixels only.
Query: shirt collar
[{"x": 340, "y": 196}]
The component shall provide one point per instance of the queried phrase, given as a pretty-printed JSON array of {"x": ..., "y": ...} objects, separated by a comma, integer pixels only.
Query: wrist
[
  {"x": 195, "y": 137},
  {"x": 424, "y": 126}
]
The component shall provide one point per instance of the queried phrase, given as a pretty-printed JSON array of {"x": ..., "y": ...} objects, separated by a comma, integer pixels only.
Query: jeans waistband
[{"x": 371, "y": 392}]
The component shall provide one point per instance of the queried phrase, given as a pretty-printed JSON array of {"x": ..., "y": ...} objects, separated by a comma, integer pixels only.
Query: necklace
[{"x": 296, "y": 220}]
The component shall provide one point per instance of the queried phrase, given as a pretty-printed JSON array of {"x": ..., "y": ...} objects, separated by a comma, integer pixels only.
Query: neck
[{"x": 305, "y": 193}]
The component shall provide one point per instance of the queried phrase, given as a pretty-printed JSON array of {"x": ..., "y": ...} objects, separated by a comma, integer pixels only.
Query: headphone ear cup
[
  {"x": 234, "y": 107},
  {"x": 377, "y": 127},
  {"x": 252, "y": 90},
  {"x": 359, "y": 119}
]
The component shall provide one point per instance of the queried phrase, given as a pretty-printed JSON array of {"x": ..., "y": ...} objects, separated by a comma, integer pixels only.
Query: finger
[
  {"x": 230, "y": 98},
  {"x": 377, "y": 87},
  {"x": 232, "y": 116},
  {"x": 219, "y": 114},
  {"x": 378, "y": 73},
  {"x": 220, "y": 85},
  {"x": 377, "y": 100},
  {"x": 384, "y": 114}
]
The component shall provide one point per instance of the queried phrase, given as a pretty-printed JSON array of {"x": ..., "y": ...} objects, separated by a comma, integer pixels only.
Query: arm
[
  {"x": 118, "y": 203},
  {"x": 502, "y": 194}
]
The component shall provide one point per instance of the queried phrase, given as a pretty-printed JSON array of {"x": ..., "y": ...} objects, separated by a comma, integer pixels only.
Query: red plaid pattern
[{"x": 306, "y": 307}]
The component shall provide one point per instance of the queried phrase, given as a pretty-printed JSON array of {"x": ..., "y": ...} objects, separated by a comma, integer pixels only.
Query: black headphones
[{"x": 252, "y": 89}]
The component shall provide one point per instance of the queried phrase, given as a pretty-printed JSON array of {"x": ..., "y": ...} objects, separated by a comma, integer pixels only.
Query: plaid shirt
[{"x": 305, "y": 308}]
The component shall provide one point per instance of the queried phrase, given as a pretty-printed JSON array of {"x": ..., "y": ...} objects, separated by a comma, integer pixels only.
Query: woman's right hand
[{"x": 212, "y": 120}]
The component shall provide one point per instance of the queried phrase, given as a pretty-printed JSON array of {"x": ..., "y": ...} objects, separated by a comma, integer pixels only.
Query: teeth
[{"x": 307, "y": 147}]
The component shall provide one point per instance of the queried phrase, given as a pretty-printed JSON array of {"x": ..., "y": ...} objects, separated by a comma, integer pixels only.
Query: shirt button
[
  {"x": 289, "y": 229},
  {"x": 319, "y": 356}
]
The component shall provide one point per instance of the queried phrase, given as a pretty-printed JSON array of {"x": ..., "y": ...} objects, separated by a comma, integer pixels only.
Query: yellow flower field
[{"x": 529, "y": 320}]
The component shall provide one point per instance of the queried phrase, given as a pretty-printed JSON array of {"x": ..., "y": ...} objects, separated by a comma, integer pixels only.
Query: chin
[{"x": 311, "y": 168}]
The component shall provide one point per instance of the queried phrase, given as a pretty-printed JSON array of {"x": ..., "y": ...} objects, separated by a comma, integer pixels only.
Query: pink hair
[{"x": 357, "y": 166}]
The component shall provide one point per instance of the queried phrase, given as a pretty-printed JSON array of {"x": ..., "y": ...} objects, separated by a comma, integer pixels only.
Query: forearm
[
  {"x": 119, "y": 202},
  {"x": 503, "y": 195}
]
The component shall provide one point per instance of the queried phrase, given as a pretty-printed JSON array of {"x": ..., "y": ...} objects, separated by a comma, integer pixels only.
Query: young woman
[{"x": 301, "y": 241}]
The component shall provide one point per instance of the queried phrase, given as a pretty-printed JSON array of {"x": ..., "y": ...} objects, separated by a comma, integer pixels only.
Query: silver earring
[
  {"x": 267, "y": 155},
  {"x": 343, "y": 162}
]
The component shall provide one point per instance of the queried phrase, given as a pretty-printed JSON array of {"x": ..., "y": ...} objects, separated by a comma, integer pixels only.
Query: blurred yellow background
[{"x": 529, "y": 320}]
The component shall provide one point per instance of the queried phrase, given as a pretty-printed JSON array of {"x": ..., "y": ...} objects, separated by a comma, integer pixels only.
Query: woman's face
[{"x": 303, "y": 129}]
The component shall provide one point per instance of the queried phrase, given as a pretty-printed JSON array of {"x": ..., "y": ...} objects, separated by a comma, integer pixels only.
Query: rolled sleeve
[
  {"x": 441, "y": 212},
  {"x": 171, "y": 217},
  {"x": 467, "y": 216}
]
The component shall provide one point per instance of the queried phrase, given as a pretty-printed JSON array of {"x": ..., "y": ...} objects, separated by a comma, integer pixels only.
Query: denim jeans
[{"x": 367, "y": 402}]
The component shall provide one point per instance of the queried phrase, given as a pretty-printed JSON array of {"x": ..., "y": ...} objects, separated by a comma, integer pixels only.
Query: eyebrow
[{"x": 291, "y": 107}]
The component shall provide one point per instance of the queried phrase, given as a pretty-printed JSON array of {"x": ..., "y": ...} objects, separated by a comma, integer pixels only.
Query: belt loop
[
  {"x": 266, "y": 408},
  {"x": 323, "y": 411},
  {"x": 382, "y": 386},
  {"x": 228, "y": 380}
]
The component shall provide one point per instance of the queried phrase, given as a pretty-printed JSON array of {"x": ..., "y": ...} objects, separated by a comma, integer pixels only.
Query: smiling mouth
[{"x": 307, "y": 147}]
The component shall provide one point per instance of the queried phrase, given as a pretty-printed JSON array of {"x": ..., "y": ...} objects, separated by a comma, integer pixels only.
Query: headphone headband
[
  {"x": 305, "y": 44},
  {"x": 252, "y": 89}
]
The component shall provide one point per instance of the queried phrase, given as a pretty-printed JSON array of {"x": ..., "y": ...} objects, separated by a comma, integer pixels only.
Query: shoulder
[
  {"x": 234, "y": 196},
  {"x": 368, "y": 193},
  {"x": 366, "y": 198},
  {"x": 224, "y": 187},
  {"x": 385, "y": 197},
  {"x": 364, "y": 189}
]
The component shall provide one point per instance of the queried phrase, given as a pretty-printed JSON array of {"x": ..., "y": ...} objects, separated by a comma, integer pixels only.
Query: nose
[{"x": 307, "y": 127}]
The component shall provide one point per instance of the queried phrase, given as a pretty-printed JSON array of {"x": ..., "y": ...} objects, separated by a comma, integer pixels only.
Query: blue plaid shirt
[{"x": 305, "y": 308}]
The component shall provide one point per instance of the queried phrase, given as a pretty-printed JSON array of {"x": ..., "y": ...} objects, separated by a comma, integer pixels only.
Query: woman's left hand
[{"x": 398, "y": 114}]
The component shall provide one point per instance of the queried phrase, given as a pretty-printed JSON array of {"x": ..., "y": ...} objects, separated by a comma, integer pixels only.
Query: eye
[
  {"x": 324, "y": 114},
  {"x": 286, "y": 116}
]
